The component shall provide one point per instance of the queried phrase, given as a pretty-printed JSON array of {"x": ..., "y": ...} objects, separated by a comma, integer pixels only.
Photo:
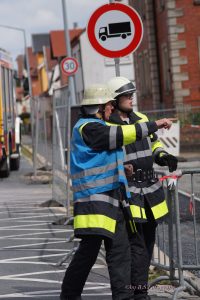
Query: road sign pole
[
  {"x": 117, "y": 66},
  {"x": 68, "y": 47},
  {"x": 117, "y": 59}
]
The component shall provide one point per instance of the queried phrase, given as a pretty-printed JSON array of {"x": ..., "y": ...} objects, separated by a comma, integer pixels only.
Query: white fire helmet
[
  {"x": 118, "y": 86},
  {"x": 94, "y": 96}
]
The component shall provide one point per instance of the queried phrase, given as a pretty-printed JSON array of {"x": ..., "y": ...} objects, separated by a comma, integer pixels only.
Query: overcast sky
[{"x": 39, "y": 16}]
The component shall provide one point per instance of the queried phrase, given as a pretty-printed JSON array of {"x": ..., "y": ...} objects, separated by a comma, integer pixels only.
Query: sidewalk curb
[{"x": 41, "y": 160}]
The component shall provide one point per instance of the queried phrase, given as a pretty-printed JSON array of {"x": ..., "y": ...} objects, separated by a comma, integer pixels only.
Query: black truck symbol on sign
[{"x": 122, "y": 29}]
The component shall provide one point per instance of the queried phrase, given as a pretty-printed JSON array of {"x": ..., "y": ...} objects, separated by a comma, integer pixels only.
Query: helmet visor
[{"x": 126, "y": 89}]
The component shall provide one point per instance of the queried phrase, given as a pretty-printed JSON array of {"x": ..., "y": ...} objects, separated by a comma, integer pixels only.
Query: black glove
[{"x": 170, "y": 161}]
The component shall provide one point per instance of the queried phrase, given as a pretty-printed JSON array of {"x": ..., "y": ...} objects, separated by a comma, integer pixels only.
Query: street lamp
[
  {"x": 26, "y": 53},
  {"x": 69, "y": 52},
  {"x": 71, "y": 100}
]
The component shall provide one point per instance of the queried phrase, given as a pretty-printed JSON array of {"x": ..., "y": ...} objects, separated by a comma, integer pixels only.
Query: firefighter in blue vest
[
  {"x": 148, "y": 204},
  {"x": 100, "y": 191}
]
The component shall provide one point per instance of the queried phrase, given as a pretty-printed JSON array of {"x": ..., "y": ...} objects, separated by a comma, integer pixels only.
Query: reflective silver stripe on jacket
[
  {"x": 96, "y": 170},
  {"x": 125, "y": 204},
  {"x": 99, "y": 197},
  {"x": 135, "y": 190},
  {"x": 144, "y": 128},
  {"x": 113, "y": 137},
  {"x": 97, "y": 183},
  {"x": 149, "y": 142},
  {"x": 138, "y": 154},
  {"x": 125, "y": 155},
  {"x": 145, "y": 190},
  {"x": 147, "y": 151}
]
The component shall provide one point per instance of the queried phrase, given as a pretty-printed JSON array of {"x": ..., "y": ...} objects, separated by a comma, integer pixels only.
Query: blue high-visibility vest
[{"x": 95, "y": 171}]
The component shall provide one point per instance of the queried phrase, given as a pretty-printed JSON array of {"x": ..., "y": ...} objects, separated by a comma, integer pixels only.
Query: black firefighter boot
[
  {"x": 142, "y": 297},
  {"x": 70, "y": 298}
]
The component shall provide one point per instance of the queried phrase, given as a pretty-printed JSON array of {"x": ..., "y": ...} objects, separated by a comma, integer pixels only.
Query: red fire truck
[{"x": 9, "y": 123}]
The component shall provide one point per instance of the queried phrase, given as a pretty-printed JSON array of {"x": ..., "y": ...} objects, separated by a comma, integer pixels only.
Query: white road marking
[
  {"x": 51, "y": 264},
  {"x": 95, "y": 288},
  {"x": 30, "y": 229},
  {"x": 29, "y": 263},
  {"x": 41, "y": 249},
  {"x": 28, "y": 294},
  {"x": 31, "y": 225},
  {"x": 100, "y": 294},
  {"x": 28, "y": 234},
  {"x": 33, "y": 209},
  {"x": 16, "y": 295},
  {"x": 34, "y": 280},
  {"x": 30, "y": 257},
  {"x": 39, "y": 296},
  {"x": 20, "y": 226},
  {"x": 16, "y": 276},
  {"x": 30, "y": 217},
  {"x": 36, "y": 244},
  {"x": 28, "y": 221},
  {"x": 33, "y": 213},
  {"x": 37, "y": 238},
  {"x": 49, "y": 293}
]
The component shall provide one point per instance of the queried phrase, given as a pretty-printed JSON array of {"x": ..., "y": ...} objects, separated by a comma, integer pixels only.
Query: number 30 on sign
[{"x": 69, "y": 66}]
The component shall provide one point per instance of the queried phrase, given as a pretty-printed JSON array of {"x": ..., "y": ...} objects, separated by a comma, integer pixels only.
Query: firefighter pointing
[
  {"x": 148, "y": 204},
  {"x": 101, "y": 193}
]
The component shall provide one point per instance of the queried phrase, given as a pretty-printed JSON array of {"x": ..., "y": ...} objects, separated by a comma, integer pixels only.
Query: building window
[
  {"x": 147, "y": 73},
  {"x": 141, "y": 74},
  {"x": 166, "y": 69},
  {"x": 144, "y": 74},
  {"x": 161, "y": 5},
  {"x": 196, "y": 2}
]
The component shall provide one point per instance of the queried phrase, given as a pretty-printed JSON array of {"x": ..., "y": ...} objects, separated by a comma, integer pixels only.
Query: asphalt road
[{"x": 30, "y": 246}]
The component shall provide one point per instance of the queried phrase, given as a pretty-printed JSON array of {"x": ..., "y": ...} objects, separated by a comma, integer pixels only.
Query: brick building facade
[{"x": 167, "y": 63}]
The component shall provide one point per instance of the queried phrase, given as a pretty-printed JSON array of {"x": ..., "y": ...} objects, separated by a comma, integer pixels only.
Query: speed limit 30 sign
[{"x": 69, "y": 66}]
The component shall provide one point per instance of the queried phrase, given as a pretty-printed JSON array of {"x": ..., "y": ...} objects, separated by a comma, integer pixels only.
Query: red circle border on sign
[
  {"x": 62, "y": 65},
  {"x": 134, "y": 17}
]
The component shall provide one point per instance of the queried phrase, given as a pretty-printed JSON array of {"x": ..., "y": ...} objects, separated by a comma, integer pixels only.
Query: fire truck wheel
[
  {"x": 15, "y": 162},
  {"x": 5, "y": 168}
]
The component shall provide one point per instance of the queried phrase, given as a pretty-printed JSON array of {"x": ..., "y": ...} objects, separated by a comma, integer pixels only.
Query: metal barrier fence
[
  {"x": 177, "y": 242},
  {"x": 61, "y": 147},
  {"x": 189, "y": 118},
  {"x": 51, "y": 141},
  {"x": 185, "y": 113},
  {"x": 41, "y": 132}
]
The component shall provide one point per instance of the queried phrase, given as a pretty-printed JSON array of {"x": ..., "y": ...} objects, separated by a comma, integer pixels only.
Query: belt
[{"x": 143, "y": 175}]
